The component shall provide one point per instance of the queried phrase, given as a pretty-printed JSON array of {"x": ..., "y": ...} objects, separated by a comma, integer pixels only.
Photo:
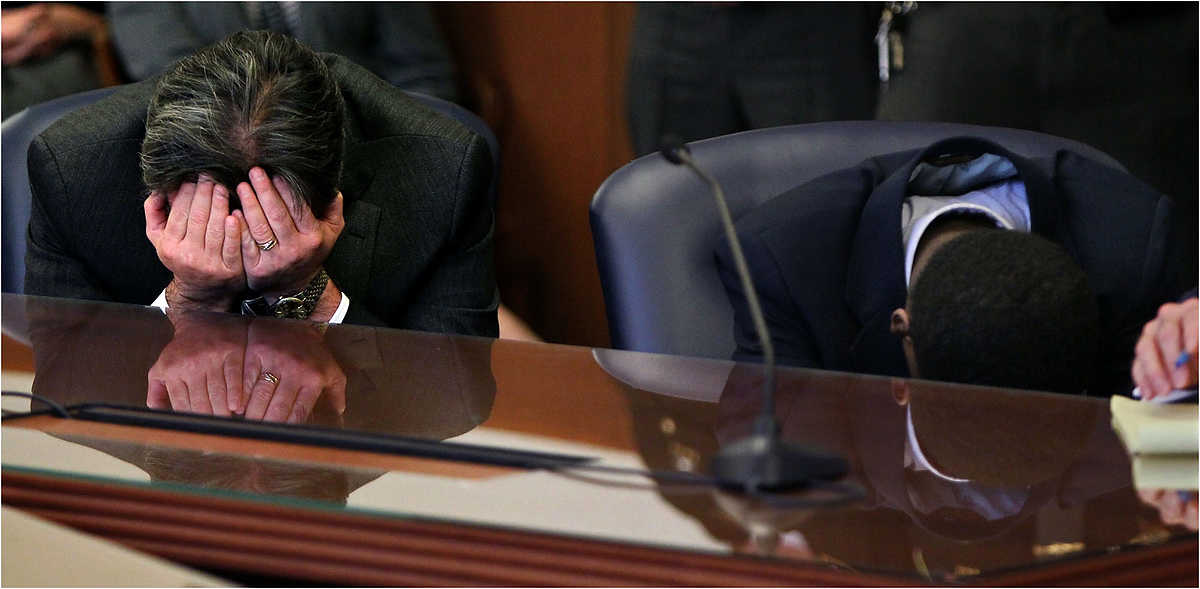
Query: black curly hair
[{"x": 1004, "y": 308}]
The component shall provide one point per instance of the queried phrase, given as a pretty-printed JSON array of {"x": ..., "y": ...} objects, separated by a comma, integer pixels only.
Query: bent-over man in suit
[
  {"x": 280, "y": 182},
  {"x": 962, "y": 262}
]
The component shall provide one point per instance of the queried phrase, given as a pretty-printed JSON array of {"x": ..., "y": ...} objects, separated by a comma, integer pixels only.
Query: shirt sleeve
[
  {"x": 340, "y": 313},
  {"x": 161, "y": 301}
]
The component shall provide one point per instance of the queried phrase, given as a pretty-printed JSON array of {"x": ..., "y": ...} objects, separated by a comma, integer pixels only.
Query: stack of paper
[{"x": 1162, "y": 440}]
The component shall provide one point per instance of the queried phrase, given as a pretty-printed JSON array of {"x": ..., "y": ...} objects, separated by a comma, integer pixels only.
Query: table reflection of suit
[
  {"x": 978, "y": 480},
  {"x": 426, "y": 385}
]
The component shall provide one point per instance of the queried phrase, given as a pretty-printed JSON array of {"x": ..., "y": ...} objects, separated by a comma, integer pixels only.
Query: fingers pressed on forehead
[
  {"x": 273, "y": 207},
  {"x": 256, "y": 220},
  {"x": 214, "y": 238},
  {"x": 180, "y": 203},
  {"x": 231, "y": 247},
  {"x": 197, "y": 224},
  {"x": 301, "y": 214},
  {"x": 155, "y": 207},
  {"x": 250, "y": 251}
]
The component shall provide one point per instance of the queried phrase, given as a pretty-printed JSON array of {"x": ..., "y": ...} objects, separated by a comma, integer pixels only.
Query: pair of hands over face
[
  {"x": 216, "y": 255},
  {"x": 216, "y": 366}
]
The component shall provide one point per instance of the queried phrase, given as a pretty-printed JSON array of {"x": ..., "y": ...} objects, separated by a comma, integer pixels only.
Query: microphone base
[{"x": 764, "y": 461}]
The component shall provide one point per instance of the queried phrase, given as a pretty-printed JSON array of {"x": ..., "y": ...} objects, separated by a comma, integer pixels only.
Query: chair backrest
[
  {"x": 16, "y": 133},
  {"x": 655, "y": 225},
  {"x": 19, "y": 130}
]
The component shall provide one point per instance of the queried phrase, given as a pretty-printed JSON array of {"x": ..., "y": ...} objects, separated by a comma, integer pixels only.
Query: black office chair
[
  {"x": 19, "y": 130},
  {"x": 654, "y": 225}
]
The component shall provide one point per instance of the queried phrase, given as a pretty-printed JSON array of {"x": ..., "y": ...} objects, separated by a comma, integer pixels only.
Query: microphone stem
[{"x": 767, "y": 420}]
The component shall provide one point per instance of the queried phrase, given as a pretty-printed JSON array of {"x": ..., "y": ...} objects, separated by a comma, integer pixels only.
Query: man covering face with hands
[
  {"x": 273, "y": 181},
  {"x": 251, "y": 102},
  {"x": 217, "y": 254}
]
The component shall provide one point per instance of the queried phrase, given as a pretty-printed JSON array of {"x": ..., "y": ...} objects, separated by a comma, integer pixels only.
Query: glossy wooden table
[{"x": 961, "y": 485}]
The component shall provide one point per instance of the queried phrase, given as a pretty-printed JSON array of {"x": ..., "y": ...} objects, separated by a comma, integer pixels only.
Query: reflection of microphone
[{"x": 762, "y": 459}]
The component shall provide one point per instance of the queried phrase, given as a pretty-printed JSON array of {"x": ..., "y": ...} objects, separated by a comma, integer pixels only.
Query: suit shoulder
[
  {"x": 1077, "y": 172},
  {"x": 379, "y": 110},
  {"x": 120, "y": 116},
  {"x": 838, "y": 196}
]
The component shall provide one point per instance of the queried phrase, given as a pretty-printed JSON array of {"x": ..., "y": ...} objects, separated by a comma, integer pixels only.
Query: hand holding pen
[{"x": 1165, "y": 355}]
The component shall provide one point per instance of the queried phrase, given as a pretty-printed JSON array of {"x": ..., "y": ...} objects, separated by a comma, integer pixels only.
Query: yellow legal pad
[{"x": 1162, "y": 440}]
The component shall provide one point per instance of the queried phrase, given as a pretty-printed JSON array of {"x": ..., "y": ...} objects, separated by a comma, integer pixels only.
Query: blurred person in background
[
  {"x": 52, "y": 49},
  {"x": 699, "y": 70},
  {"x": 1119, "y": 76},
  {"x": 397, "y": 41}
]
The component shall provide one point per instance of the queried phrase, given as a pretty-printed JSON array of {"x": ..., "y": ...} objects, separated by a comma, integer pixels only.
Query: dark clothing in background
[
  {"x": 828, "y": 261},
  {"x": 699, "y": 70},
  {"x": 416, "y": 251},
  {"x": 1120, "y": 77},
  {"x": 397, "y": 41}
]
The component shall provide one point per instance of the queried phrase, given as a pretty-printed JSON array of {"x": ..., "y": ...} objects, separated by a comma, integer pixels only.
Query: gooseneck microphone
[{"x": 761, "y": 460}]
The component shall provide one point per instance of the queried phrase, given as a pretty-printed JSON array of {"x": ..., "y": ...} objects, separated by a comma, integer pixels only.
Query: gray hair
[{"x": 256, "y": 98}]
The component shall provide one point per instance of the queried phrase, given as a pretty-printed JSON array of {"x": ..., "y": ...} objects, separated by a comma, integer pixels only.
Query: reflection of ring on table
[
  {"x": 271, "y": 378},
  {"x": 266, "y": 245}
]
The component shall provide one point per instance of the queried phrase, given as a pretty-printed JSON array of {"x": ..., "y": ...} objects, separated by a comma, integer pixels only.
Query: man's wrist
[
  {"x": 327, "y": 305},
  {"x": 319, "y": 301},
  {"x": 273, "y": 295},
  {"x": 178, "y": 300}
]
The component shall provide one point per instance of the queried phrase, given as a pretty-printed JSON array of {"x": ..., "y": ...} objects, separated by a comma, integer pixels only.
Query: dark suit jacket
[
  {"x": 416, "y": 252},
  {"x": 827, "y": 259}
]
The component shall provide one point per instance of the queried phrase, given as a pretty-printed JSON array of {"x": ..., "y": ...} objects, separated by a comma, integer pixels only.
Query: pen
[{"x": 1183, "y": 358}]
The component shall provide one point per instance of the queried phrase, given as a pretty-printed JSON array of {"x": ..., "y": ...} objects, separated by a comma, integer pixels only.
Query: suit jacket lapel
[
  {"x": 1047, "y": 214},
  {"x": 875, "y": 278}
]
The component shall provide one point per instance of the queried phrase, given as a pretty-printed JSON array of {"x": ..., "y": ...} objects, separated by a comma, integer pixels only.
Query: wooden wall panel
[{"x": 549, "y": 79}]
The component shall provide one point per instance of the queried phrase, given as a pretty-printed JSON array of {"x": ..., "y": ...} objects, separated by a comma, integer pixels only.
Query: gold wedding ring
[
  {"x": 271, "y": 378},
  {"x": 266, "y": 245}
]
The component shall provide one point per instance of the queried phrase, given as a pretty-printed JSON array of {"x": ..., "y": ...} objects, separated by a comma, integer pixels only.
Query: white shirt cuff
[
  {"x": 161, "y": 301},
  {"x": 343, "y": 307}
]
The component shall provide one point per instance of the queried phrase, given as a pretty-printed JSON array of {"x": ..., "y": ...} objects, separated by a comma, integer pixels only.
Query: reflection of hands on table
[
  {"x": 267, "y": 369},
  {"x": 1163, "y": 341},
  {"x": 200, "y": 243},
  {"x": 1176, "y": 508},
  {"x": 200, "y": 370},
  {"x": 301, "y": 370}
]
